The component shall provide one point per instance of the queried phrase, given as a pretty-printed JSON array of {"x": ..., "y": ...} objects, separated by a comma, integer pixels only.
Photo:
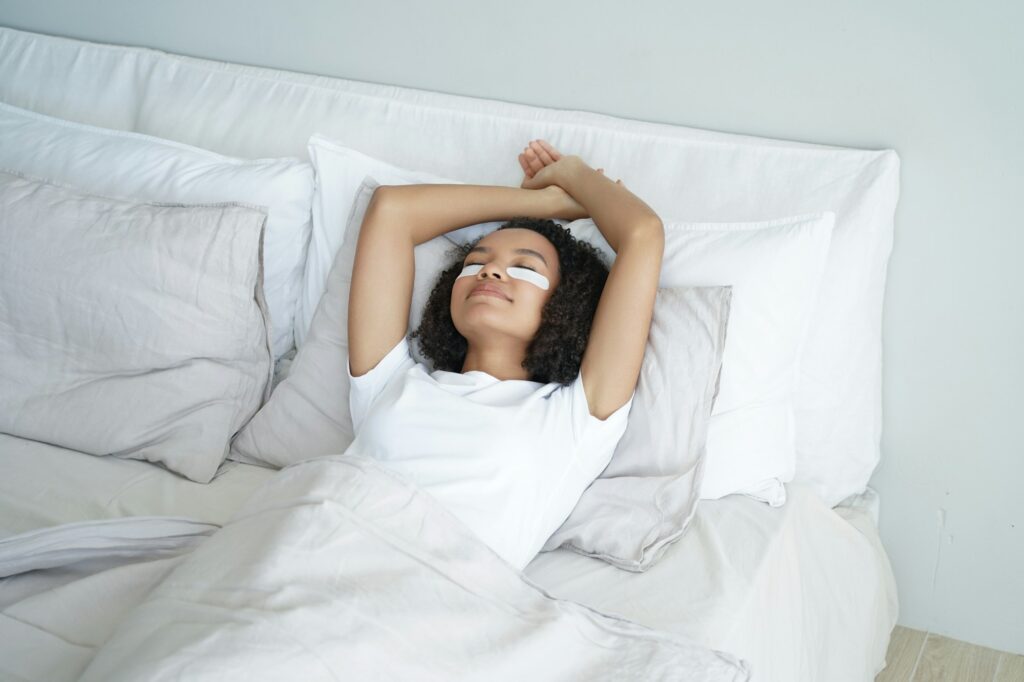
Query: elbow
[
  {"x": 647, "y": 236},
  {"x": 383, "y": 202},
  {"x": 650, "y": 231},
  {"x": 380, "y": 194}
]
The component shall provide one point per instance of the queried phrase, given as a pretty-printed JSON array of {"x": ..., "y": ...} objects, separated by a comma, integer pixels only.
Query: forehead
[{"x": 510, "y": 239}]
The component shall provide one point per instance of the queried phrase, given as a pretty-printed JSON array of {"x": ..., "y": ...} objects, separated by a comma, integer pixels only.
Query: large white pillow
[
  {"x": 775, "y": 268},
  {"x": 123, "y": 164},
  {"x": 340, "y": 171},
  {"x": 776, "y": 265},
  {"x": 129, "y": 329}
]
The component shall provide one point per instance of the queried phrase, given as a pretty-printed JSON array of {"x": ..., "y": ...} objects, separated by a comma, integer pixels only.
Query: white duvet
[{"x": 336, "y": 568}]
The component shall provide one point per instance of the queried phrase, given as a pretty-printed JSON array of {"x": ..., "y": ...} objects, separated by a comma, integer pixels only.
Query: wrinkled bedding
[{"x": 336, "y": 568}]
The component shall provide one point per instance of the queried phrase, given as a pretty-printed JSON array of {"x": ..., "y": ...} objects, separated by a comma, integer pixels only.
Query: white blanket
[{"x": 335, "y": 569}]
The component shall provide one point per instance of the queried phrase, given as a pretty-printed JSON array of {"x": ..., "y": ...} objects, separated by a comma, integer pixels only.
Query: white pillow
[
  {"x": 123, "y": 164},
  {"x": 774, "y": 268},
  {"x": 779, "y": 263},
  {"x": 340, "y": 171},
  {"x": 136, "y": 330}
]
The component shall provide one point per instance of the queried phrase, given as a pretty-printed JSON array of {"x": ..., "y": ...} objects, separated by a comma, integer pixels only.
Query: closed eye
[{"x": 527, "y": 267}]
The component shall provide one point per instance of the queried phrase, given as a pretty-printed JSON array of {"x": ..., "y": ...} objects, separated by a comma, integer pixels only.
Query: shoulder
[
  {"x": 571, "y": 398},
  {"x": 398, "y": 357}
]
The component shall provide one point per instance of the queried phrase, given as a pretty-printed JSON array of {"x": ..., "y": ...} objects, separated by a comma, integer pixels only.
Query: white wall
[{"x": 940, "y": 82}]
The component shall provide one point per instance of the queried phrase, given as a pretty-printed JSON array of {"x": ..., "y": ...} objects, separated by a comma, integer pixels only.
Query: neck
[{"x": 500, "y": 362}]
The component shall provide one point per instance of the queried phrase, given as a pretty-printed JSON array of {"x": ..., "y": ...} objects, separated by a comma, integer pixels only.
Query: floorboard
[{"x": 917, "y": 656}]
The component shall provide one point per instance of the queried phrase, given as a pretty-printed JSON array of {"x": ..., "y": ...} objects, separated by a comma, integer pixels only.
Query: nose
[{"x": 492, "y": 270}]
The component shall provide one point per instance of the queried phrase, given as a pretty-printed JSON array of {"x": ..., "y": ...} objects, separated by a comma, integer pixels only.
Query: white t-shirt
[{"x": 509, "y": 458}]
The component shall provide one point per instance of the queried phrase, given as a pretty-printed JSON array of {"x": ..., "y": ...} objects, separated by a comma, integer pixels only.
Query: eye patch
[{"x": 525, "y": 274}]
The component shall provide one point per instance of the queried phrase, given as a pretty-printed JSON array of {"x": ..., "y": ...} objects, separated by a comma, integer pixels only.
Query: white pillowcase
[
  {"x": 775, "y": 265},
  {"x": 123, "y": 164},
  {"x": 130, "y": 329},
  {"x": 774, "y": 268},
  {"x": 340, "y": 171}
]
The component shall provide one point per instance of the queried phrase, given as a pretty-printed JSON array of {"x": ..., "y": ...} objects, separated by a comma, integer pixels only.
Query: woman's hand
[
  {"x": 545, "y": 168},
  {"x": 539, "y": 156},
  {"x": 543, "y": 164}
]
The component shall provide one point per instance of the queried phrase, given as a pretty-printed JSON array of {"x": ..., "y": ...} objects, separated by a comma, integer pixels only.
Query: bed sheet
[
  {"x": 803, "y": 592},
  {"x": 43, "y": 485}
]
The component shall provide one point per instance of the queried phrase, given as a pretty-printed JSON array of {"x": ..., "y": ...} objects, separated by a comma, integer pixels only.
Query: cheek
[{"x": 533, "y": 297}]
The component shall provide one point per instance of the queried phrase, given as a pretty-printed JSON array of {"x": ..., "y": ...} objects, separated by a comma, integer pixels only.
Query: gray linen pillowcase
[
  {"x": 647, "y": 495},
  {"x": 130, "y": 329},
  {"x": 308, "y": 413}
]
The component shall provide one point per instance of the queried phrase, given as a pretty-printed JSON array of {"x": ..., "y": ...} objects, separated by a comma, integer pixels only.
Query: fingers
[
  {"x": 531, "y": 164},
  {"x": 551, "y": 151},
  {"x": 543, "y": 152},
  {"x": 526, "y": 166},
  {"x": 538, "y": 154}
]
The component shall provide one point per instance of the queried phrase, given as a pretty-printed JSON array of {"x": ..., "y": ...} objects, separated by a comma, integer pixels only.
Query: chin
[{"x": 480, "y": 330}]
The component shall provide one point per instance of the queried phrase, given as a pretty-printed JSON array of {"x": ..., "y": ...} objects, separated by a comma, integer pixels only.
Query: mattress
[{"x": 746, "y": 578}]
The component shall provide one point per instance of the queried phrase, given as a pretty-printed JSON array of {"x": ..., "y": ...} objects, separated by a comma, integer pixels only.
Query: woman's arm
[
  {"x": 618, "y": 335},
  {"x": 430, "y": 210},
  {"x": 398, "y": 218},
  {"x": 615, "y": 210}
]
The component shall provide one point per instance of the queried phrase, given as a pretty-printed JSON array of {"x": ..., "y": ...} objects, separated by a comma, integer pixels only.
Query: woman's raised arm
[
  {"x": 400, "y": 217},
  {"x": 618, "y": 336},
  {"x": 430, "y": 210}
]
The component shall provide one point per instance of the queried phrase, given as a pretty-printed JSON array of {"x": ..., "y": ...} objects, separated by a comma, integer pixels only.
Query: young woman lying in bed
[{"x": 537, "y": 346}]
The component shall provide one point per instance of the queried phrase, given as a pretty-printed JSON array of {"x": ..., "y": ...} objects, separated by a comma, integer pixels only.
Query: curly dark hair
[{"x": 556, "y": 351}]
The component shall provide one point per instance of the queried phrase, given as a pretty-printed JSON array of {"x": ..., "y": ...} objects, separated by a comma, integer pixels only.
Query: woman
[{"x": 537, "y": 347}]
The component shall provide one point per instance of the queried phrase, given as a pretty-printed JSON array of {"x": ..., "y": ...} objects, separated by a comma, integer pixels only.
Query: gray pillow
[
  {"x": 130, "y": 329},
  {"x": 644, "y": 499},
  {"x": 308, "y": 414}
]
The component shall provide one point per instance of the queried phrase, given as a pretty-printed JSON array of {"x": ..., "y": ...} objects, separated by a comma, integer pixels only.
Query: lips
[{"x": 489, "y": 289}]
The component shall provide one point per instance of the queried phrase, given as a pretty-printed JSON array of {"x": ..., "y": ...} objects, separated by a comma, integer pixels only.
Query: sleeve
[
  {"x": 595, "y": 438},
  {"x": 364, "y": 389}
]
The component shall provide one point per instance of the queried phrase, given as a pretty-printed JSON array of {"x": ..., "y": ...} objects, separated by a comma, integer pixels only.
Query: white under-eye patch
[
  {"x": 525, "y": 274},
  {"x": 528, "y": 275},
  {"x": 470, "y": 270}
]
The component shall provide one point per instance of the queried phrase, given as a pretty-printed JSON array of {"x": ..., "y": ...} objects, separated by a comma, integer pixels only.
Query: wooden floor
[{"x": 916, "y": 656}]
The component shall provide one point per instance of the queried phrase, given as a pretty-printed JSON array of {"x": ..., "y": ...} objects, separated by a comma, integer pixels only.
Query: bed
[{"x": 800, "y": 590}]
